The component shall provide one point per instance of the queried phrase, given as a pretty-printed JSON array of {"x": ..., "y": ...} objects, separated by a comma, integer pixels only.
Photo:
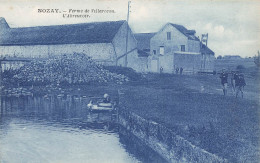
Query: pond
[{"x": 61, "y": 129}]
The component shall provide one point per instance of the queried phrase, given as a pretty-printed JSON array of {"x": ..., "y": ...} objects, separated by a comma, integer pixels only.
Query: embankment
[{"x": 164, "y": 141}]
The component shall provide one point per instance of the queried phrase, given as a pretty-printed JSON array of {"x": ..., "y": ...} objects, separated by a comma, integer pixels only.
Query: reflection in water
[
  {"x": 52, "y": 129},
  {"x": 138, "y": 148}
]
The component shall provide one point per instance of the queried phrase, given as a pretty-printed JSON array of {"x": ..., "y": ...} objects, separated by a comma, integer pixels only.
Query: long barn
[{"x": 105, "y": 42}]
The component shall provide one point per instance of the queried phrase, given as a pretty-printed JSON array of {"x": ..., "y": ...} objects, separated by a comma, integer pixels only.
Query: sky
[{"x": 233, "y": 26}]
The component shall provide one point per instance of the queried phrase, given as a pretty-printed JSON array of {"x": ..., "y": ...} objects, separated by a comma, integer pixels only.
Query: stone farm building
[
  {"x": 105, "y": 42},
  {"x": 143, "y": 46},
  {"x": 174, "y": 47}
]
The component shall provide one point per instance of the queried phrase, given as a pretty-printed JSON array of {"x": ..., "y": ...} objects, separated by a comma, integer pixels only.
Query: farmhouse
[
  {"x": 105, "y": 42},
  {"x": 175, "y": 47},
  {"x": 143, "y": 46}
]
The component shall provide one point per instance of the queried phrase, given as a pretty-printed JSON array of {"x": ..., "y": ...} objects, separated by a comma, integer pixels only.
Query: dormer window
[
  {"x": 162, "y": 50},
  {"x": 169, "y": 36}
]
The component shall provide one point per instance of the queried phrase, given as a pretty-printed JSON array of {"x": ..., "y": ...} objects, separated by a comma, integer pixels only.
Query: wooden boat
[{"x": 96, "y": 104}]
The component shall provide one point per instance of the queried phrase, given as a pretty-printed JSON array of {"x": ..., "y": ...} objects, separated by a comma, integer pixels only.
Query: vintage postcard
[{"x": 120, "y": 81}]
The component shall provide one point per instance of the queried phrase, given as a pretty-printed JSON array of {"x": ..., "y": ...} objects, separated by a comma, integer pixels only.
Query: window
[
  {"x": 162, "y": 50},
  {"x": 154, "y": 51},
  {"x": 183, "y": 48},
  {"x": 168, "y": 35}
]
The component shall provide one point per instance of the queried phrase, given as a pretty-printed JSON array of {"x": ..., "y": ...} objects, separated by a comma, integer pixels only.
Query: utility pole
[
  {"x": 204, "y": 39},
  {"x": 0, "y": 75},
  {"x": 127, "y": 20}
]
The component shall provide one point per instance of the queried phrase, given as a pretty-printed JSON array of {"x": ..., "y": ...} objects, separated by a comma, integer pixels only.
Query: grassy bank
[{"x": 226, "y": 126}]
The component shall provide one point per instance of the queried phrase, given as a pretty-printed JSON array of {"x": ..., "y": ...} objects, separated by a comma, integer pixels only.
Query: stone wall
[
  {"x": 189, "y": 62},
  {"x": 170, "y": 146},
  {"x": 99, "y": 51}
]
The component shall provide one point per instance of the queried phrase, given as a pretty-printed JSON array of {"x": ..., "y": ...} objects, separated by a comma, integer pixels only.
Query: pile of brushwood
[{"x": 66, "y": 69}]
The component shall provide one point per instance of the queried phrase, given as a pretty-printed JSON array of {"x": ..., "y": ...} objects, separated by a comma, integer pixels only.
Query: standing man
[
  {"x": 239, "y": 83},
  {"x": 232, "y": 81},
  {"x": 224, "y": 81},
  {"x": 181, "y": 69},
  {"x": 177, "y": 70},
  {"x": 161, "y": 70}
]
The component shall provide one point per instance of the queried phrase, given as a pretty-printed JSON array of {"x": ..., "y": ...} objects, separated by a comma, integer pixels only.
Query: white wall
[
  {"x": 189, "y": 62},
  {"x": 119, "y": 43},
  {"x": 103, "y": 51},
  {"x": 207, "y": 63},
  {"x": 160, "y": 39},
  {"x": 166, "y": 62},
  {"x": 194, "y": 46}
]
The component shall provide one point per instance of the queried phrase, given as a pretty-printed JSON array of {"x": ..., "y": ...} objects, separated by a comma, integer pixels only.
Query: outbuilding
[
  {"x": 108, "y": 43},
  {"x": 174, "y": 47}
]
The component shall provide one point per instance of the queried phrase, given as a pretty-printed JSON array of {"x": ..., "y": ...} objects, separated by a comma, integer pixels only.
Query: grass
[
  {"x": 231, "y": 64},
  {"x": 205, "y": 120},
  {"x": 226, "y": 126}
]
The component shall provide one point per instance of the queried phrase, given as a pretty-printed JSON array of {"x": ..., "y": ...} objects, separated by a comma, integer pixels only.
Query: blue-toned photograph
[{"x": 140, "y": 81}]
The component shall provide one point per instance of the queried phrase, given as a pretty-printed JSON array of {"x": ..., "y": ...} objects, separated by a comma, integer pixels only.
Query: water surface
[{"x": 53, "y": 129}]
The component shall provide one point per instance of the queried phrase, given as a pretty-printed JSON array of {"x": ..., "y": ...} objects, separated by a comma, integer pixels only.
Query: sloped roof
[
  {"x": 206, "y": 50},
  {"x": 185, "y": 31},
  {"x": 98, "y": 32},
  {"x": 143, "y": 40},
  {"x": 3, "y": 24}
]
